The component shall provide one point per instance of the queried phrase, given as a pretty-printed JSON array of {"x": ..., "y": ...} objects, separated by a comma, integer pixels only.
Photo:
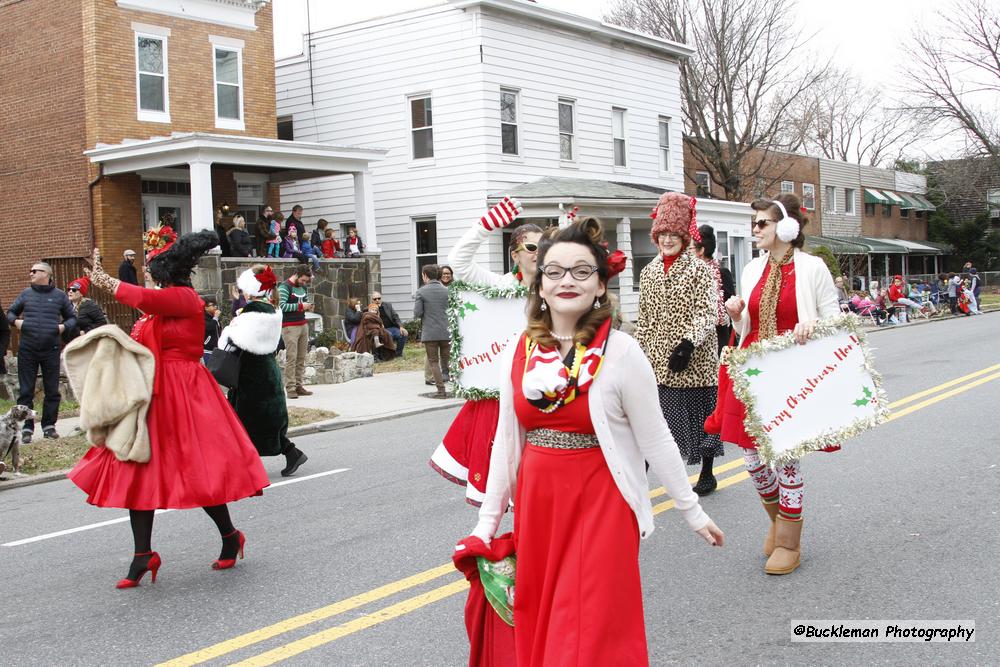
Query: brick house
[
  {"x": 120, "y": 112},
  {"x": 874, "y": 220}
]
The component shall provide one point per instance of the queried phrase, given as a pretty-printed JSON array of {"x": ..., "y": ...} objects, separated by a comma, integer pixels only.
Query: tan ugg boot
[
  {"x": 787, "y": 540},
  {"x": 772, "y": 513}
]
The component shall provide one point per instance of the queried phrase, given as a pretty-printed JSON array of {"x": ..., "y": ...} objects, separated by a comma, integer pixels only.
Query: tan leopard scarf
[{"x": 769, "y": 296}]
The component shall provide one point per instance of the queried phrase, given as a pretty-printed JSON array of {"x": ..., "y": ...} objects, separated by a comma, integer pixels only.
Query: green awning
[
  {"x": 836, "y": 246},
  {"x": 875, "y": 197},
  {"x": 910, "y": 202},
  {"x": 896, "y": 199},
  {"x": 924, "y": 204},
  {"x": 872, "y": 245}
]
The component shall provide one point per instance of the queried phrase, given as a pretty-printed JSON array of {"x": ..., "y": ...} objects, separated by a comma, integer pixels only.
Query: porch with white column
[
  {"x": 202, "y": 208},
  {"x": 364, "y": 209}
]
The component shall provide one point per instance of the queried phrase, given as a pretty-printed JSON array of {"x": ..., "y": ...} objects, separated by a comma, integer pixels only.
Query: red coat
[{"x": 896, "y": 293}]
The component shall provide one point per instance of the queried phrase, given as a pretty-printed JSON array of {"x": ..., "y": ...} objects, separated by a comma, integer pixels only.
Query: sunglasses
[
  {"x": 530, "y": 247},
  {"x": 73, "y": 289},
  {"x": 37, "y": 271},
  {"x": 762, "y": 223},
  {"x": 378, "y": 299}
]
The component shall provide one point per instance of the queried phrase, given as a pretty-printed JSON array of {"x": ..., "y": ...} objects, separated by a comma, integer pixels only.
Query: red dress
[
  {"x": 200, "y": 453},
  {"x": 787, "y": 316},
  {"x": 577, "y": 591}
]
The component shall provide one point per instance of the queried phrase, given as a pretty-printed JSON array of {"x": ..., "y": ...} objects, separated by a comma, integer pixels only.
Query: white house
[{"x": 474, "y": 99}]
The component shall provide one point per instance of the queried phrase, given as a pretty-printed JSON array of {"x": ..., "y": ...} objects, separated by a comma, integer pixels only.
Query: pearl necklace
[{"x": 564, "y": 339}]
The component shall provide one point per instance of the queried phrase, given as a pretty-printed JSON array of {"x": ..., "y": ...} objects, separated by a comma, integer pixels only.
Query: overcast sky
[{"x": 865, "y": 36}]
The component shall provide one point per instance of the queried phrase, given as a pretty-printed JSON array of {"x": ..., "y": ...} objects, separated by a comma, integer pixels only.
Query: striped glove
[{"x": 501, "y": 215}]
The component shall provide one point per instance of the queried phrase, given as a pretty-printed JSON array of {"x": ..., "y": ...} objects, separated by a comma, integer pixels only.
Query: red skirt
[
  {"x": 463, "y": 457},
  {"x": 200, "y": 453},
  {"x": 577, "y": 592}
]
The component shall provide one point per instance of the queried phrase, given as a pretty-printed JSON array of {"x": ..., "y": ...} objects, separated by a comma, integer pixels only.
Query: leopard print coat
[{"x": 681, "y": 303}]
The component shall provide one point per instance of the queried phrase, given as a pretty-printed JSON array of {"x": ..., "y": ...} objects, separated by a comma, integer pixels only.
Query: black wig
[{"x": 174, "y": 266}]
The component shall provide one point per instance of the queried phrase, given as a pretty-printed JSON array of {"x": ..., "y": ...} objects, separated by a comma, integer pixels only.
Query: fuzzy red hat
[
  {"x": 82, "y": 284},
  {"x": 675, "y": 214}
]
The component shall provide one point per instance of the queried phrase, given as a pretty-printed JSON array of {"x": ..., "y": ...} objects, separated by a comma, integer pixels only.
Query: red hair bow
[{"x": 616, "y": 263}]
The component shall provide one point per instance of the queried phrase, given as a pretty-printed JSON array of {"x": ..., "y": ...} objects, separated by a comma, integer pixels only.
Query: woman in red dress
[
  {"x": 201, "y": 455},
  {"x": 579, "y": 416},
  {"x": 788, "y": 291}
]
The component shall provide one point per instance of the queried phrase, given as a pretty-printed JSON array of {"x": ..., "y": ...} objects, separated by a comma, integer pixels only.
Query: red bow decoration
[
  {"x": 571, "y": 216},
  {"x": 616, "y": 263},
  {"x": 653, "y": 213},
  {"x": 804, "y": 209},
  {"x": 267, "y": 279},
  {"x": 158, "y": 240}
]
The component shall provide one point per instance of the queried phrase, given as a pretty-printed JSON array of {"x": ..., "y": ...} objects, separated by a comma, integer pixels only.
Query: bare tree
[
  {"x": 842, "y": 119},
  {"x": 749, "y": 65},
  {"x": 953, "y": 72}
]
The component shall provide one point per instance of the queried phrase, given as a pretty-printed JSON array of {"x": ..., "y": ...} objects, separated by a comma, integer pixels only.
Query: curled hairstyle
[
  {"x": 588, "y": 233},
  {"x": 793, "y": 205},
  {"x": 707, "y": 243},
  {"x": 174, "y": 266}
]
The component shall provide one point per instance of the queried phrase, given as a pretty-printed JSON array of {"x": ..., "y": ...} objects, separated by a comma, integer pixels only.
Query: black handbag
[{"x": 224, "y": 365}]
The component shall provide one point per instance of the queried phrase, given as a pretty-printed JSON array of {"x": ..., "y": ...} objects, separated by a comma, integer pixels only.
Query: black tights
[{"x": 142, "y": 525}]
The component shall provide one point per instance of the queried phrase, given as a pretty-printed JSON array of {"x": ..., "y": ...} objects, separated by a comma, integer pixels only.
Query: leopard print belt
[{"x": 546, "y": 437}]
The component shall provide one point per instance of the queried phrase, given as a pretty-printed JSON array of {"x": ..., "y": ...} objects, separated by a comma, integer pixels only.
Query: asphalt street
[{"x": 902, "y": 524}]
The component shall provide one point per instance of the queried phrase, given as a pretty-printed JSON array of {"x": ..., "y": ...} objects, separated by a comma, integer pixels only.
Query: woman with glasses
[
  {"x": 678, "y": 311},
  {"x": 89, "y": 314},
  {"x": 463, "y": 456},
  {"x": 786, "y": 290},
  {"x": 578, "y": 419}
]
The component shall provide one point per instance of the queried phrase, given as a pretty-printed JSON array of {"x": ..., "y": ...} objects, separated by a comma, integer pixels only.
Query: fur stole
[{"x": 254, "y": 331}]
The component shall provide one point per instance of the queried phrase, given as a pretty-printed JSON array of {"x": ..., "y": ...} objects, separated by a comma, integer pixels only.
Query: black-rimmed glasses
[{"x": 579, "y": 272}]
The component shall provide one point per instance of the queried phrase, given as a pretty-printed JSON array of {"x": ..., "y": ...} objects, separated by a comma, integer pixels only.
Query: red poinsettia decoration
[
  {"x": 158, "y": 240},
  {"x": 267, "y": 279}
]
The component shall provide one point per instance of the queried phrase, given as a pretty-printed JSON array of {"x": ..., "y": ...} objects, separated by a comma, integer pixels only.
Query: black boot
[
  {"x": 706, "y": 480},
  {"x": 294, "y": 457}
]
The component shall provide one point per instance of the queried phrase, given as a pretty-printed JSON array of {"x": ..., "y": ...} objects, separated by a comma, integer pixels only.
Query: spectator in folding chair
[{"x": 898, "y": 297}]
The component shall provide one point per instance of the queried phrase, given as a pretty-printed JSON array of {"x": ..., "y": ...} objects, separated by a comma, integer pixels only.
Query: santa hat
[
  {"x": 675, "y": 214},
  {"x": 82, "y": 284},
  {"x": 256, "y": 284}
]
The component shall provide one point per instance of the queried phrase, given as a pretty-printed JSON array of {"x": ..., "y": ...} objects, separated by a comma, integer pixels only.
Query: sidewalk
[{"x": 360, "y": 401}]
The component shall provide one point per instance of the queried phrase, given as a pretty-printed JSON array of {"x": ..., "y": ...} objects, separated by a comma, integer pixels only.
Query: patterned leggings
[{"x": 783, "y": 487}]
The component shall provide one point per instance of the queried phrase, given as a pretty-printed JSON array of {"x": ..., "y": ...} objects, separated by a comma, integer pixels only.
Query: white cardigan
[
  {"x": 629, "y": 425},
  {"x": 815, "y": 294},
  {"x": 462, "y": 257}
]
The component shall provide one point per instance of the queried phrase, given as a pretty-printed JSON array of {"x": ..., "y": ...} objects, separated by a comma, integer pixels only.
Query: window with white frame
[
  {"x": 421, "y": 127},
  {"x": 787, "y": 186},
  {"x": 228, "y": 57},
  {"x": 618, "y": 125},
  {"x": 809, "y": 196},
  {"x": 664, "y": 143},
  {"x": 508, "y": 121},
  {"x": 567, "y": 133},
  {"x": 425, "y": 229},
  {"x": 993, "y": 201},
  {"x": 830, "y": 199},
  {"x": 152, "y": 79},
  {"x": 849, "y": 194},
  {"x": 703, "y": 184}
]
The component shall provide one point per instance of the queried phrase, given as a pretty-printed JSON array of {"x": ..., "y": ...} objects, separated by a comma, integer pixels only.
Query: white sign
[
  {"x": 485, "y": 327},
  {"x": 806, "y": 397}
]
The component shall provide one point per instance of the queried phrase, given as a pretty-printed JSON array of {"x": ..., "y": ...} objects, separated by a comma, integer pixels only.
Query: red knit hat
[
  {"x": 82, "y": 284},
  {"x": 675, "y": 214}
]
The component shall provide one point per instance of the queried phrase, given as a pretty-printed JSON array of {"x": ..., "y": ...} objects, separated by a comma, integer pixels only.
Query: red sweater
[{"x": 895, "y": 293}]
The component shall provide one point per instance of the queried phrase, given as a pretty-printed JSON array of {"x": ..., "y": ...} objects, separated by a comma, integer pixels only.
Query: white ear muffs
[{"x": 787, "y": 228}]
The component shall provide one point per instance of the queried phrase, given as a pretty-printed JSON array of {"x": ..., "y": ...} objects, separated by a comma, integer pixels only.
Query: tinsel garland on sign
[
  {"x": 457, "y": 308},
  {"x": 836, "y": 324}
]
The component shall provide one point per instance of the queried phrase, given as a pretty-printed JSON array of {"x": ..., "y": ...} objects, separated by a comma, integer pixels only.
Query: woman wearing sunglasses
[
  {"x": 463, "y": 456},
  {"x": 578, "y": 419},
  {"x": 787, "y": 290}
]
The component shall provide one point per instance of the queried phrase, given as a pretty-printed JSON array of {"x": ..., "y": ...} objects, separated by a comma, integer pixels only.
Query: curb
[
  {"x": 896, "y": 327},
  {"x": 306, "y": 429}
]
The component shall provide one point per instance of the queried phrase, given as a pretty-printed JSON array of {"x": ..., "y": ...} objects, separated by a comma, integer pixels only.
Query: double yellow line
[{"x": 900, "y": 408}]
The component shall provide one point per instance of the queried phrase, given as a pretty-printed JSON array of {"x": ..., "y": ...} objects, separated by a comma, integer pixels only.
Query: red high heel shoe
[
  {"x": 152, "y": 567},
  {"x": 226, "y": 563}
]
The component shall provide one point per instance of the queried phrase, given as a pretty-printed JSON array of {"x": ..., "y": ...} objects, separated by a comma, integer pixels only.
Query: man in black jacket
[
  {"x": 37, "y": 312},
  {"x": 126, "y": 270},
  {"x": 391, "y": 322},
  {"x": 294, "y": 222}
]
